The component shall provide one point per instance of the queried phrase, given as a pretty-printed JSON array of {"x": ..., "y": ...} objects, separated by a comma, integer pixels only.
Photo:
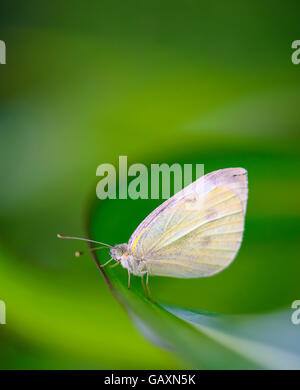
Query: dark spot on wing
[
  {"x": 211, "y": 214},
  {"x": 240, "y": 174},
  {"x": 190, "y": 199},
  {"x": 206, "y": 240},
  {"x": 167, "y": 204}
]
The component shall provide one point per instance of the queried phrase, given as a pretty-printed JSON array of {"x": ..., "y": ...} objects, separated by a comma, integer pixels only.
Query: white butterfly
[{"x": 195, "y": 233}]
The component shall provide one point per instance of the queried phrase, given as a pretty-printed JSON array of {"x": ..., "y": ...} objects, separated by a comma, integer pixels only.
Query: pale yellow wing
[
  {"x": 198, "y": 231},
  {"x": 205, "y": 240},
  {"x": 194, "y": 238},
  {"x": 234, "y": 179}
]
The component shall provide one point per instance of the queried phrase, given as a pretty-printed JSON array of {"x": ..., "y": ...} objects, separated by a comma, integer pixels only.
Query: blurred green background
[{"x": 175, "y": 81}]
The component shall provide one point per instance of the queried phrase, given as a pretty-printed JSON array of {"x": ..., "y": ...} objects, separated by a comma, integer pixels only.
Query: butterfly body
[{"x": 121, "y": 253}]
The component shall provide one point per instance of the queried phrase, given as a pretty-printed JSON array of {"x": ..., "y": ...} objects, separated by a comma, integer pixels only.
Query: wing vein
[{"x": 198, "y": 226}]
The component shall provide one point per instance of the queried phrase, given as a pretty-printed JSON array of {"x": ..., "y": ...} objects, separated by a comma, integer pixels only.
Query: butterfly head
[{"x": 117, "y": 252}]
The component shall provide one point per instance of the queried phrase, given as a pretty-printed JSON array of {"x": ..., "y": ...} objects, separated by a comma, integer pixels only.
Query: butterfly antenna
[
  {"x": 78, "y": 253},
  {"x": 83, "y": 239}
]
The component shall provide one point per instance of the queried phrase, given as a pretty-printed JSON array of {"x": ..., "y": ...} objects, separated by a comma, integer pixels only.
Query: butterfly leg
[
  {"x": 128, "y": 279},
  {"x": 143, "y": 284},
  {"x": 148, "y": 289},
  {"x": 103, "y": 265},
  {"x": 114, "y": 265}
]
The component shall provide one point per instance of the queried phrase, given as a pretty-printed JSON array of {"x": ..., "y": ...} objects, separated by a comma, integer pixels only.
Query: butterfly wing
[{"x": 198, "y": 231}]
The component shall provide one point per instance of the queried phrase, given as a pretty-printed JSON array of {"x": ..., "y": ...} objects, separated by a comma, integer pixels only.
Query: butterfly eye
[{"x": 117, "y": 252}]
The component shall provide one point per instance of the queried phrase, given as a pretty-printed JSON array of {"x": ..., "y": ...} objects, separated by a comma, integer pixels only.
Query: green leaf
[
  {"x": 269, "y": 340},
  {"x": 203, "y": 339}
]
